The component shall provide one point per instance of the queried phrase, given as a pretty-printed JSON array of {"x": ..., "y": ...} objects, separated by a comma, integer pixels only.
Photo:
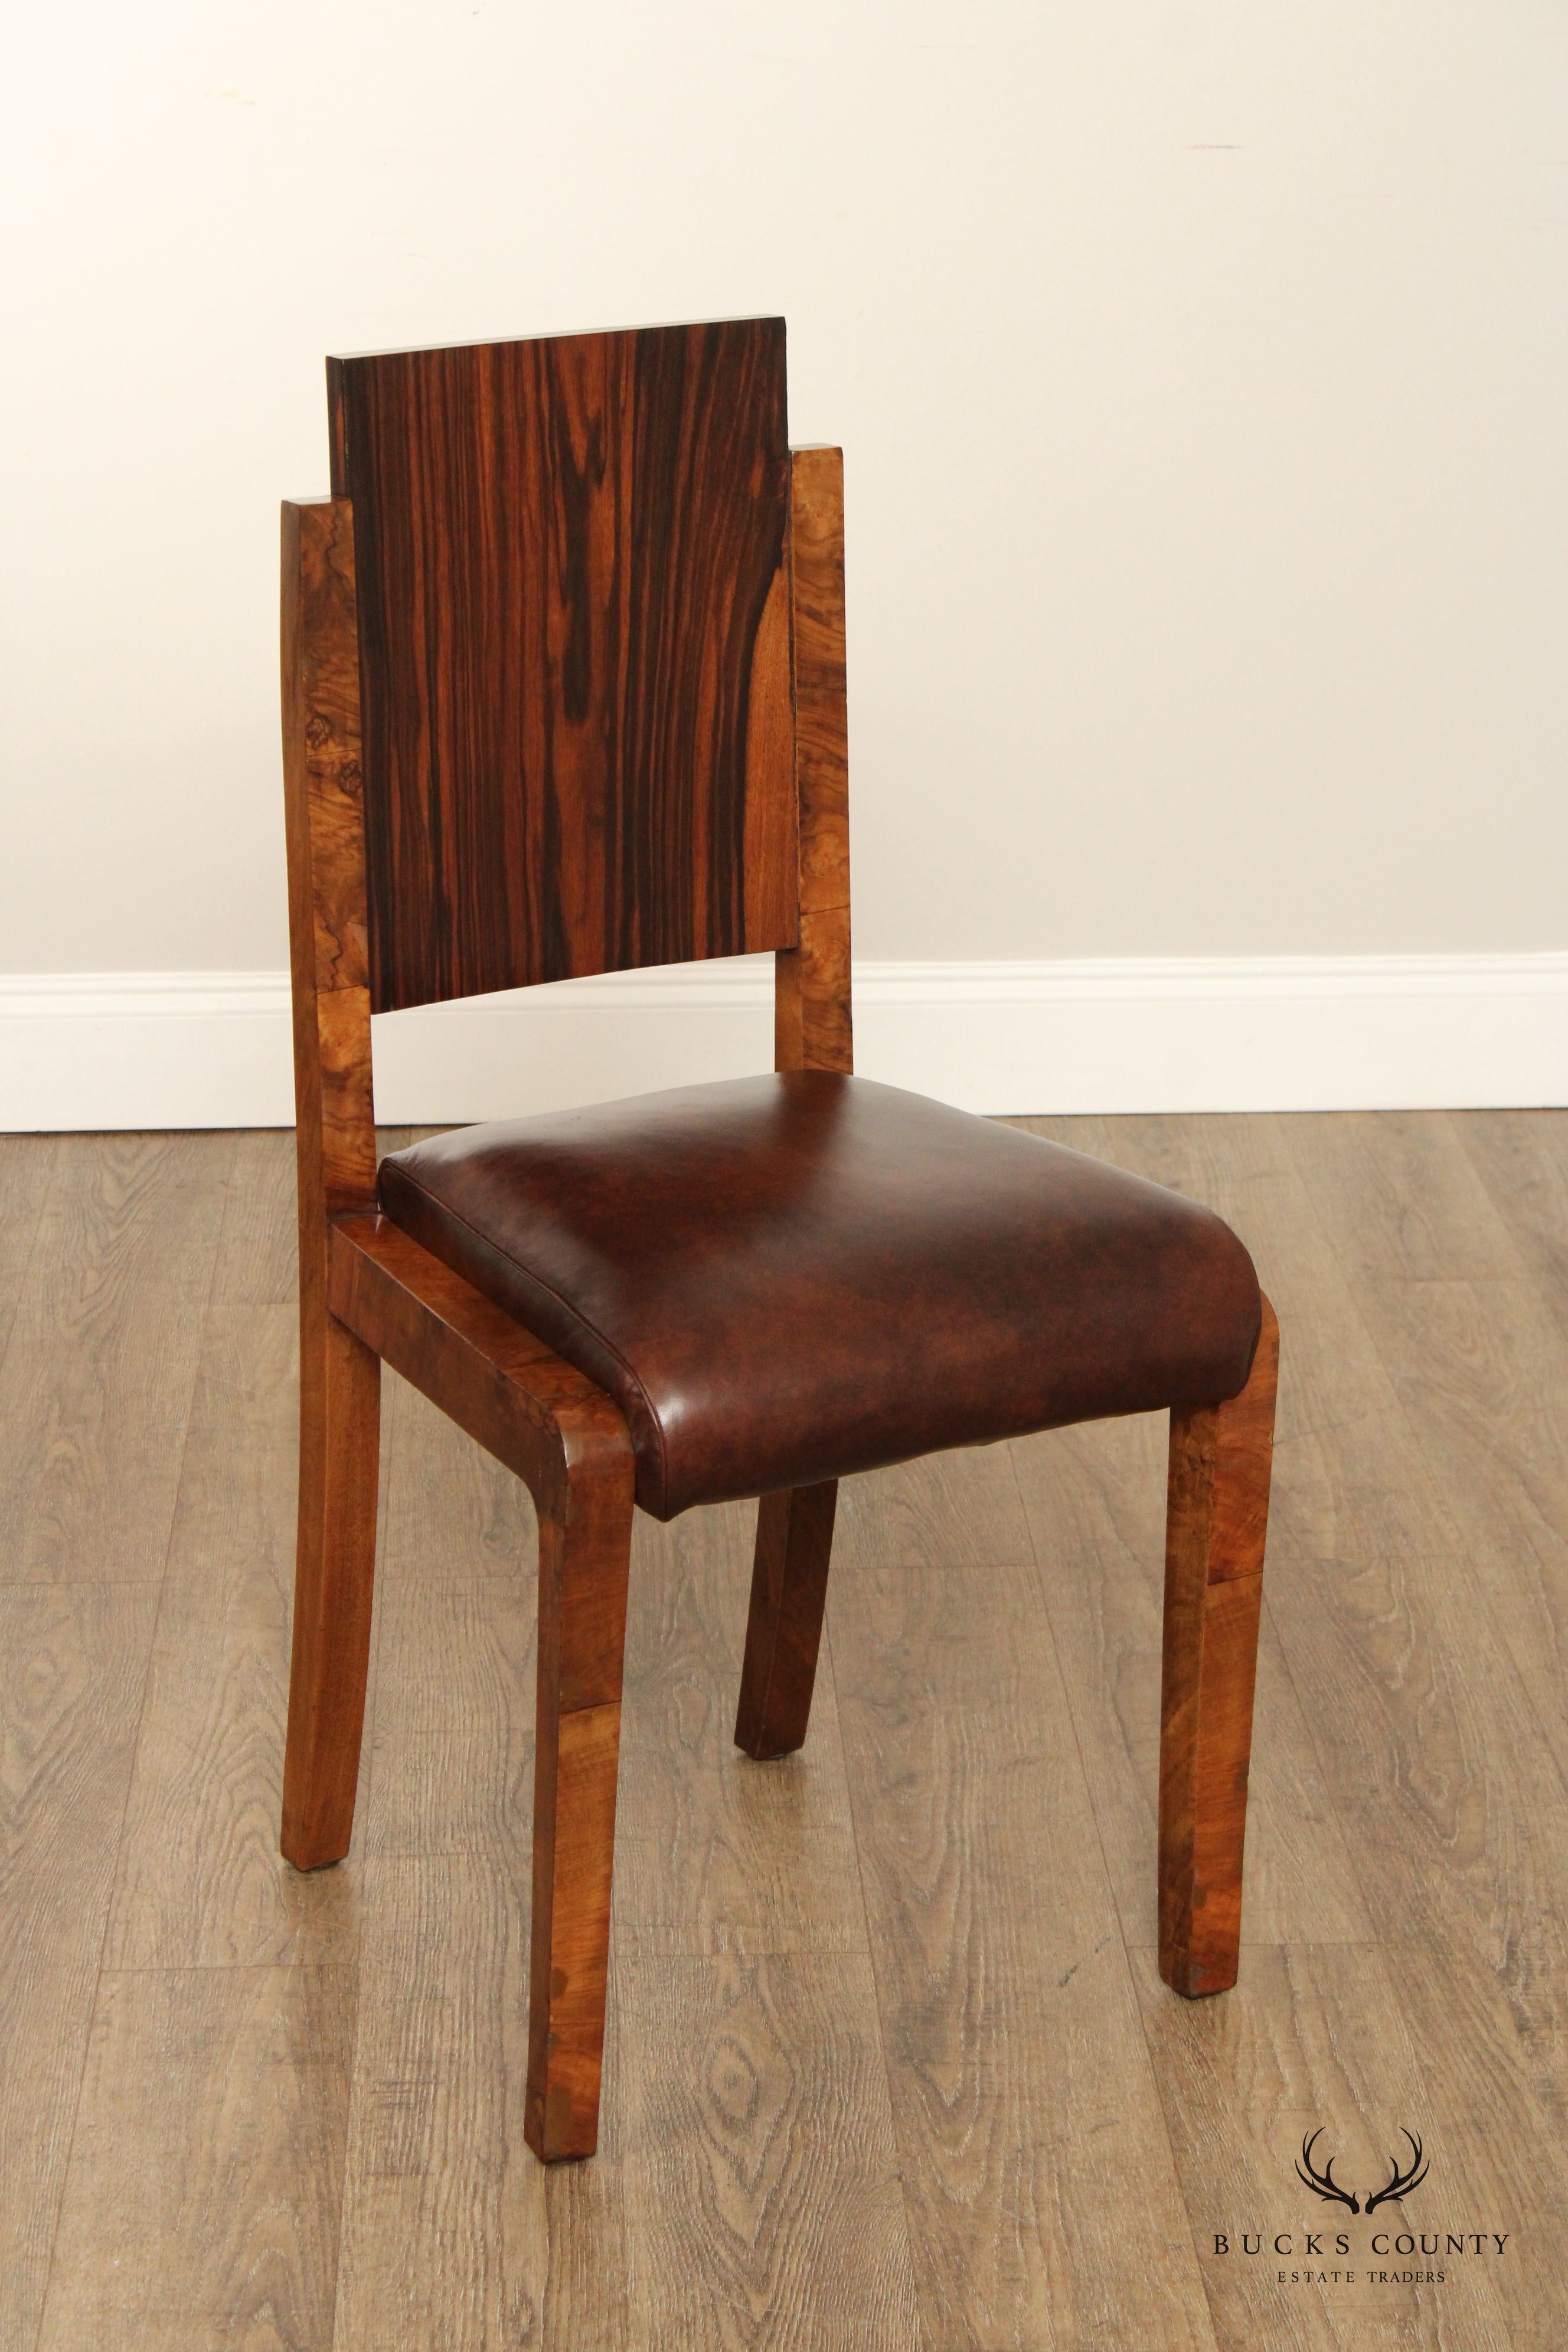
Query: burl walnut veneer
[{"x": 564, "y": 692}]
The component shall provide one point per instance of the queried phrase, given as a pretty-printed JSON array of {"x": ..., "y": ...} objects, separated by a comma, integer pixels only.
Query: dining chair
[{"x": 563, "y": 690}]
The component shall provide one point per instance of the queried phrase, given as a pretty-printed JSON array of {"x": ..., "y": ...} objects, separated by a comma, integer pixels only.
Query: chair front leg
[
  {"x": 789, "y": 1591},
  {"x": 340, "y": 1438},
  {"x": 1217, "y": 1519},
  {"x": 584, "y": 1547}
]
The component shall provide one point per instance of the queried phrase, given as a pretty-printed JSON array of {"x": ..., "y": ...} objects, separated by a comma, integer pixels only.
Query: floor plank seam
[
  {"x": 1135, "y": 2005},
  {"x": 113, "y": 1871},
  {"x": 1479, "y": 1596},
  {"x": 876, "y": 1990},
  {"x": 391, "y": 1413},
  {"x": 25, "y": 1265}
]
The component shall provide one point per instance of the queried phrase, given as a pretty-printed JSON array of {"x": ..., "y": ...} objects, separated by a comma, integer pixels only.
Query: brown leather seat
[{"x": 783, "y": 1279}]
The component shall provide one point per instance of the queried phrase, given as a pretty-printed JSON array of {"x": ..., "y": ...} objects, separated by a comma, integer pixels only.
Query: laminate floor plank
[
  {"x": 201, "y": 2207},
  {"x": 451, "y": 1768},
  {"x": 761, "y": 2177},
  {"x": 95, "y": 1389},
  {"x": 26, "y": 1172},
  {"x": 715, "y": 1853},
  {"x": 888, "y": 2061},
  {"x": 1383, "y": 1586},
  {"x": 1320, "y": 2041},
  {"x": 451, "y": 1762},
  {"x": 1481, "y": 1372},
  {"x": 1028, "y": 2121},
  {"x": 1503, "y": 2150},
  {"x": 1243, "y": 1167},
  {"x": 72, "y": 1663},
  {"x": 1521, "y": 1158},
  {"x": 201, "y": 1881},
  {"x": 452, "y": 1511},
  {"x": 1450, "y": 1799},
  {"x": 453, "y": 2236},
  {"x": 1479, "y": 1367},
  {"x": 1405, "y": 1200},
  {"x": 1096, "y": 1497},
  {"x": 258, "y": 1251},
  {"x": 947, "y": 1510}
]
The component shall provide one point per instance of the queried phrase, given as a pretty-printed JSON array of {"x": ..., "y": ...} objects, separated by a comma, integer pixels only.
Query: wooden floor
[{"x": 889, "y": 2064}]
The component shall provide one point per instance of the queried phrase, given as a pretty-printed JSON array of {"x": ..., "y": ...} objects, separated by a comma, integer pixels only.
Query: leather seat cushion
[{"x": 783, "y": 1279}]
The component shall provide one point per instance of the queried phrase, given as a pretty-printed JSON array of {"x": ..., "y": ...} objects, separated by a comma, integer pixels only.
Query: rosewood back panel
[{"x": 573, "y": 622}]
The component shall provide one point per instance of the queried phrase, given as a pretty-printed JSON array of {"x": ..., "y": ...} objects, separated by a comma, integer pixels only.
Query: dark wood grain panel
[
  {"x": 813, "y": 1025},
  {"x": 573, "y": 650}
]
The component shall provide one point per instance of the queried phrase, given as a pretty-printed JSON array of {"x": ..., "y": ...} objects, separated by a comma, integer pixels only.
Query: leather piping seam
[{"x": 581, "y": 1322}]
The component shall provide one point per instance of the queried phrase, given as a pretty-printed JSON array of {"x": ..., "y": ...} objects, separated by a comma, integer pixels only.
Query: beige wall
[{"x": 1200, "y": 370}]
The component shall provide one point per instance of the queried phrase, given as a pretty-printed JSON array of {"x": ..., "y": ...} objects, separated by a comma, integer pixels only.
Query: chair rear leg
[
  {"x": 340, "y": 1411},
  {"x": 584, "y": 1547},
  {"x": 1217, "y": 1518},
  {"x": 789, "y": 1590}
]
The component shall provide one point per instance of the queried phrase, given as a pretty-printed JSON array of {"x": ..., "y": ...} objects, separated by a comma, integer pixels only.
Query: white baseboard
[{"x": 1146, "y": 1034}]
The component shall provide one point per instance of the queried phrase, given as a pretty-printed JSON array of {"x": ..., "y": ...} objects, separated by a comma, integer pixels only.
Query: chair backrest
[
  {"x": 577, "y": 738},
  {"x": 564, "y": 692}
]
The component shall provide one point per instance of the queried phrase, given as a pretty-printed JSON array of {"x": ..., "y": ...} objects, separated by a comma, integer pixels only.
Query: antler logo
[
  {"x": 1401, "y": 2183},
  {"x": 1323, "y": 2184}
]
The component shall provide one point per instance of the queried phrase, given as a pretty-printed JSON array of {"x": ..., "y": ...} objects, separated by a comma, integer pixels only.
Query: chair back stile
[
  {"x": 323, "y": 804},
  {"x": 812, "y": 1026}
]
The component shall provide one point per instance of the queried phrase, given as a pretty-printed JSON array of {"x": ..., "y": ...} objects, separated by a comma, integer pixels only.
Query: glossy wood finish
[
  {"x": 584, "y": 1552},
  {"x": 335, "y": 1132},
  {"x": 813, "y": 1029},
  {"x": 613, "y": 734},
  {"x": 517, "y": 1399},
  {"x": 784, "y": 1632},
  {"x": 564, "y": 1438},
  {"x": 1216, "y": 1523},
  {"x": 573, "y": 643}
]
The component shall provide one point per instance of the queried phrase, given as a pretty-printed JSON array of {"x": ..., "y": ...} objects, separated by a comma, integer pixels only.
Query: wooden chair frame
[{"x": 369, "y": 1294}]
